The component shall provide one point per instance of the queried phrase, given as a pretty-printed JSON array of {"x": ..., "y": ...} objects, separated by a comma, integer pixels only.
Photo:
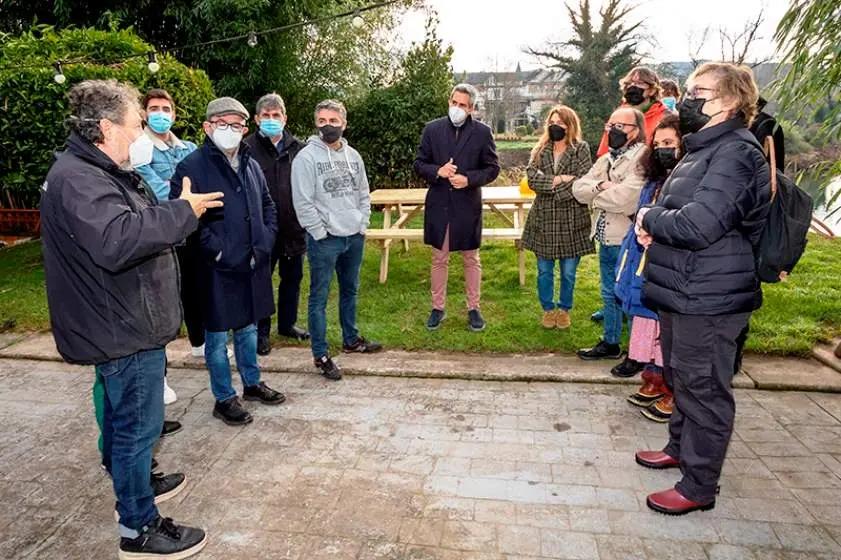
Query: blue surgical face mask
[
  {"x": 271, "y": 127},
  {"x": 669, "y": 102},
  {"x": 159, "y": 121}
]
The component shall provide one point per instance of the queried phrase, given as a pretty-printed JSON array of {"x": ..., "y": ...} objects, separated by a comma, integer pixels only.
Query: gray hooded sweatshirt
[{"x": 330, "y": 190}]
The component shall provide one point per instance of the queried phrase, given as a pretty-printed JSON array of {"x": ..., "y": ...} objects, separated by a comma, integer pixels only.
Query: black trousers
[
  {"x": 291, "y": 272},
  {"x": 190, "y": 294},
  {"x": 740, "y": 348},
  {"x": 698, "y": 355}
]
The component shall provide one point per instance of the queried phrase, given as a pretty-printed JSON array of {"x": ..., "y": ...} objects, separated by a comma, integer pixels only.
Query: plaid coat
[{"x": 558, "y": 226}]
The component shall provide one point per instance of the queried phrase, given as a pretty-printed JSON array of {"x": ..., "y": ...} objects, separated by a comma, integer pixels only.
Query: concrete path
[
  {"x": 421, "y": 469},
  {"x": 759, "y": 372}
]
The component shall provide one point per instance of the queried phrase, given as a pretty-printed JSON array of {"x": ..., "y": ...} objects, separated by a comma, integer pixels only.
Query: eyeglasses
[
  {"x": 222, "y": 125},
  {"x": 694, "y": 91},
  {"x": 617, "y": 125}
]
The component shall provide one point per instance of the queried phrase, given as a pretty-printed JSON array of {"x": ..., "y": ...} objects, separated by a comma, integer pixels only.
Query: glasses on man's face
[
  {"x": 697, "y": 91},
  {"x": 617, "y": 125},
  {"x": 222, "y": 125}
]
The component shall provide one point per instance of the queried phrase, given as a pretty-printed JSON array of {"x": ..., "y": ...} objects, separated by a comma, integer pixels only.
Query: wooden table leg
[
  {"x": 386, "y": 245},
  {"x": 402, "y": 213}
]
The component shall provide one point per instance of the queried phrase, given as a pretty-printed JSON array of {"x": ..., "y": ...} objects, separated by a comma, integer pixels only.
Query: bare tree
[{"x": 735, "y": 44}]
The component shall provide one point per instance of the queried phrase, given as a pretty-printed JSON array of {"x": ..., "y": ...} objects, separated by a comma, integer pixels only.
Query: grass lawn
[
  {"x": 503, "y": 145},
  {"x": 796, "y": 314}
]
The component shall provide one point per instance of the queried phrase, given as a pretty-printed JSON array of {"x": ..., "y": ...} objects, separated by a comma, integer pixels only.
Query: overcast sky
[{"x": 491, "y": 34}]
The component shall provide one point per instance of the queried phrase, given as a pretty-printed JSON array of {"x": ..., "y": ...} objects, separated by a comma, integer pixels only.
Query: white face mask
[
  {"x": 140, "y": 151},
  {"x": 226, "y": 139},
  {"x": 457, "y": 115}
]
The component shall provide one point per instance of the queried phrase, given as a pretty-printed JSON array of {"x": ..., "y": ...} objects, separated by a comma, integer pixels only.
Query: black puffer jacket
[
  {"x": 707, "y": 224},
  {"x": 111, "y": 273}
]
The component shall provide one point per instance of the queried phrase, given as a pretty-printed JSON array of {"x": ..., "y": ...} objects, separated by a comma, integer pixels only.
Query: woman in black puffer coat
[{"x": 701, "y": 275}]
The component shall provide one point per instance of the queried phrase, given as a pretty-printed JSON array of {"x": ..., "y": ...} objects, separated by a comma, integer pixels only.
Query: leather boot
[
  {"x": 653, "y": 388},
  {"x": 661, "y": 411}
]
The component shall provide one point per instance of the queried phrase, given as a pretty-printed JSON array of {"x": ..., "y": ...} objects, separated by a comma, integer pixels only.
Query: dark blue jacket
[
  {"x": 706, "y": 225},
  {"x": 234, "y": 243},
  {"x": 473, "y": 150},
  {"x": 629, "y": 277},
  {"x": 111, "y": 273}
]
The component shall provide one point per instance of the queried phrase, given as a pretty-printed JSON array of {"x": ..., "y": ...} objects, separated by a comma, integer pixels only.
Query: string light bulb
[
  {"x": 153, "y": 63},
  {"x": 357, "y": 21},
  {"x": 252, "y": 39},
  {"x": 59, "y": 76}
]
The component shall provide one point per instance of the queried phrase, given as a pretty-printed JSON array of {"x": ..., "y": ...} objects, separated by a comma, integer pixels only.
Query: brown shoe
[
  {"x": 661, "y": 411},
  {"x": 653, "y": 389},
  {"x": 562, "y": 320},
  {"x": 548, "y": 321}
]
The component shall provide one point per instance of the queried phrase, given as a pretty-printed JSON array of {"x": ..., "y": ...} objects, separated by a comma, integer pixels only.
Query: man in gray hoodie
[{"x": 333, "y": 203}]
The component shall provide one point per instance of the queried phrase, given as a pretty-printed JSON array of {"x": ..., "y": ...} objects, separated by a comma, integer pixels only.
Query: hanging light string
[{"x": 251, "y": 38}]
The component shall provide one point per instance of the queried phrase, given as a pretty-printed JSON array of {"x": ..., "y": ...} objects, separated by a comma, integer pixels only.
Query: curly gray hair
[{"x": 94, "y": 100}]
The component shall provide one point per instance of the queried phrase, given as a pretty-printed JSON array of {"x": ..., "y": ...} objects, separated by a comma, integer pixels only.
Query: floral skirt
[{"x": 645, "y": 341}]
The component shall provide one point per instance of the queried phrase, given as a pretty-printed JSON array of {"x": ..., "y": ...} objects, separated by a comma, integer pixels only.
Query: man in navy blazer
[{"x": 456, "y": 156}]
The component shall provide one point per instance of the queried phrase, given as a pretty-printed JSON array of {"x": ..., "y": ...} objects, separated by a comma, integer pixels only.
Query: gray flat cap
[{"x": 225, "y": 106}]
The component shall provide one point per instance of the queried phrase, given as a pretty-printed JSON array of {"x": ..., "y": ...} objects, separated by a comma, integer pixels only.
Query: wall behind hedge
[{"x": 33, "y": 107}]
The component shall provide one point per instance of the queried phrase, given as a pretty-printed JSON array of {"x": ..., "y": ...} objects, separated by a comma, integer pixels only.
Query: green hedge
[{"x": 34, "y": 106}]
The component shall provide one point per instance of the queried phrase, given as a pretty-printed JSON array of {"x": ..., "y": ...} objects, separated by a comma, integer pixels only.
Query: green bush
[
  {"x": 529, "y": 129},
  {"x": 522, "y": 130},
  {"x": 34, "y": 106},
  {"x": 386, "y": 124}
]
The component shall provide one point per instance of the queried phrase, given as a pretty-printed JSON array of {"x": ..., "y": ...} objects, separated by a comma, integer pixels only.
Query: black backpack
[{"x": 783, "y": 238}]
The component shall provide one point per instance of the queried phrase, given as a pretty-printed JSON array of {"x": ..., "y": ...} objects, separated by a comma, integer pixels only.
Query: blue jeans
[
  {"x": 216, "y": 357},
  {"x": 344, "y": 256},
  {"x": 133, "y": 417},
  {"x": 546, "y": 282},
  {"x": 608, "y": 257}
]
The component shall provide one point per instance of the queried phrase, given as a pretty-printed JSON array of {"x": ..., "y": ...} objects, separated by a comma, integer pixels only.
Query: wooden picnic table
[{"x": 405, "y": 204}]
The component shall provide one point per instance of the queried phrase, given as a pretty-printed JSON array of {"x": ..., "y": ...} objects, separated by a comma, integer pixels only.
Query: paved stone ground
[{"x": 421, "y": 469}]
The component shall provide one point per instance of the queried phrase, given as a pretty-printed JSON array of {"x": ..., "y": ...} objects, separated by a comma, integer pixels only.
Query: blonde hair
[
  {"x": 646, "y": 75},
  {"x": 569, "y": 118},
  {"x": 734, "y": 83}
]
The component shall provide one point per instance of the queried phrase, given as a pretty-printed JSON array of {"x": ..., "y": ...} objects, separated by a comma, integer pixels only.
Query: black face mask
[
  {"x": 616, "y": 138},
  {"x": 692, "y": 118},
  {"x": 557, "y": 132},
  {"x": 635, "y": 95},
  {"x": 666, "y": 157},
  {"x": 329, "y": 133}
]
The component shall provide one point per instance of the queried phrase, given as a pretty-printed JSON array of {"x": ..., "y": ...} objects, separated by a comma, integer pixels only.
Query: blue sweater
[{"x": 629, "y": 278}]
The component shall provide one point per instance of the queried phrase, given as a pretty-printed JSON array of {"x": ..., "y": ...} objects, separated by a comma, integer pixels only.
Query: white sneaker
[
  {"x": 169, "y": 395},
  {"x": 198, "y": 351}
]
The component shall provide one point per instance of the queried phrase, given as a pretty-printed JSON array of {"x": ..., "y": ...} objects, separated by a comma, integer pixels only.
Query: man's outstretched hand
[{"x": 200, "y": 202}]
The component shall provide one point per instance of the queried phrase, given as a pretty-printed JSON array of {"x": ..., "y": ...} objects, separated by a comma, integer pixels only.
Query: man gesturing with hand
[{"x": 456, "y": 157}]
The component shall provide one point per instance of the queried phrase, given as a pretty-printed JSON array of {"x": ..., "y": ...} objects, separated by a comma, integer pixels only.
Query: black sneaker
[
  {"x": 435, "y": 319},
  {"x": 628, "y": 368},
  {"x": 601, "y": 351},
  {"x": 294, "y": 332},
  {"x": 328, "y": 368},
  {"x": 232, "y": 413},
  {"x": 167, "y": 486},
  {"x": 164, "y": 487},
  {"x": 597, "y": 316},
  {"x": 162, "y": 538},
  {"x": 362, "y": 346},
  {"x": 171, "y": 427},
  {"x": 264, "y": 346},
  {"x": 261, "y": 392},
  {"x": 474, "y": 321}
]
